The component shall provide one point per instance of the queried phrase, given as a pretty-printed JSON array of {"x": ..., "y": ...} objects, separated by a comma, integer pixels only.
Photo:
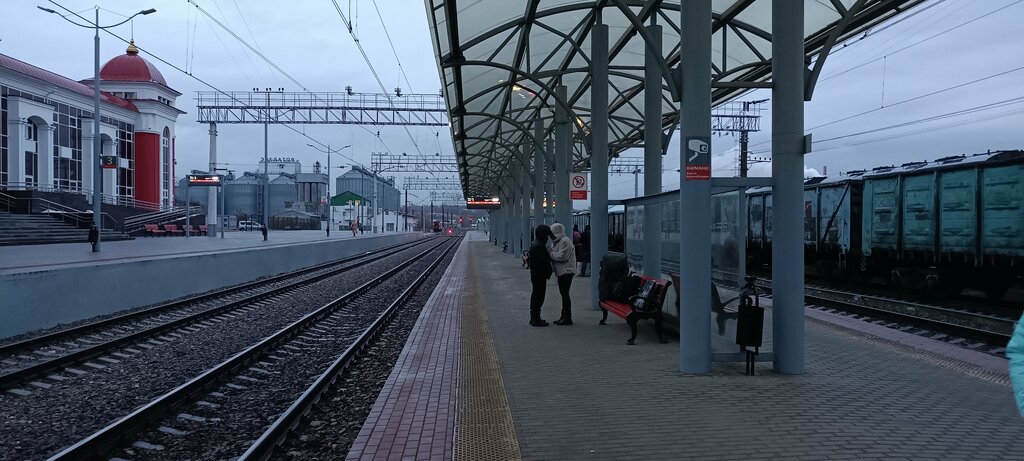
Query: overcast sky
[{"x": 876, "y": 76}]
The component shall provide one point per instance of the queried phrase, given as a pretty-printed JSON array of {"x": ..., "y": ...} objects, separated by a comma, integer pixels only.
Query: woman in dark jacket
[{"x": 540, "y": 272}]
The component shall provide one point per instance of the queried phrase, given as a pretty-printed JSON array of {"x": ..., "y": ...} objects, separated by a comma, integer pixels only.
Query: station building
[{"x": 46, "y": 131}]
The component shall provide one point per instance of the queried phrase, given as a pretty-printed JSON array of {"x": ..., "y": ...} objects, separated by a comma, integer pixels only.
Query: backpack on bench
[{"x": 645, "y": 301}]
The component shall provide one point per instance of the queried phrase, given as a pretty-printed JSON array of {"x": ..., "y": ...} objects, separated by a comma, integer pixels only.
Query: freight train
[{"x": 939, "y": 226}]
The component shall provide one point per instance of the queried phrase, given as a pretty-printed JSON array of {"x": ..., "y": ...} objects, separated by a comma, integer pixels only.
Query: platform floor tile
[{"x": 579, "y": 392}]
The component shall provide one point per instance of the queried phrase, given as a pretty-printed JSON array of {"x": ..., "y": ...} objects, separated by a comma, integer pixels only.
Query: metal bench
[
  {"x": 651, "y": 297},
  {"x": 153, "y": 230}
]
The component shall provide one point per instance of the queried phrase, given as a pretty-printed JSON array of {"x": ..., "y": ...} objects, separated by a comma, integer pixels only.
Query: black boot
[
  {"x": 538, "y": 322},
  {"x": 565, "y": 320}
]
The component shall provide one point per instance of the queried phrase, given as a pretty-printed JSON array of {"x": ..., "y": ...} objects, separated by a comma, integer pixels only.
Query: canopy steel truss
[
  {"x": 325, "y": 108},
  {"x": 437, "y": 163},
  {"x": 431, "y": 184}
]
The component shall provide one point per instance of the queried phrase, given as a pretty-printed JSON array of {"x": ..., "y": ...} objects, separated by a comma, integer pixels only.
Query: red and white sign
[{"x": 578, "y": 186}]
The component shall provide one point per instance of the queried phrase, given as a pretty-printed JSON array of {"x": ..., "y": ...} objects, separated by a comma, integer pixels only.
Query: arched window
[{"x": 165, "y": 161}]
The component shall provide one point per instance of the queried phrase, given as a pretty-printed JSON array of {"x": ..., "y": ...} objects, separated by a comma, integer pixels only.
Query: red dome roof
[{"x": 131, "y": 67}]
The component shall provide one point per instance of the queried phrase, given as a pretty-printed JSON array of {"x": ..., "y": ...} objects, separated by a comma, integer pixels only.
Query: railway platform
[
  {"x": 475, "y": 381},
  {"x": 45, "y": 285}
]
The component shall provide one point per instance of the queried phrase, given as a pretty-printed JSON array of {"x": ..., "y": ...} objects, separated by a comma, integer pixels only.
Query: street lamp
[
  {"x": 97, "y": 217},
  {"x": 330, "y": 209}
]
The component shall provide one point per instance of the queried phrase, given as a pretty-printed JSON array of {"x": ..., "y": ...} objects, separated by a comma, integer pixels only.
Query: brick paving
[
  {"x": 414, "y": 415},
  {"x": 579, "y": 393}
]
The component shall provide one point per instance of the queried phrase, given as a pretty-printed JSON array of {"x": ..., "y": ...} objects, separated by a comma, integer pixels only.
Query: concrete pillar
[
  {"x": 513, "y": 208},
  {"x": 563, "y": 158},
  {"x": 527, "y": 182},
  {"x": 695, "y": 194},
  {"x": 538, "y": 175},
  {"x": 88, "y": 172},
  {"x": 598, "y": 152},
  {"x": 787, "y": 173},
  {"x": 549, "y": 182},
  {"x": 16, "y": 152},
  {"x": 46, "y": 160},
  {"x": 652, "y": 151},
  {"x": 212, "y": 215}
]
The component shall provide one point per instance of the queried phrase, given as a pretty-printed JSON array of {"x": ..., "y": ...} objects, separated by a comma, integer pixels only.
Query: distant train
[
  {"x": 437, "y": 226},
  {"x": 939, "y": 226}
]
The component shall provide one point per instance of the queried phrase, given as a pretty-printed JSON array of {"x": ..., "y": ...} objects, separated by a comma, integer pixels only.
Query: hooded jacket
[
  {"x": 563, "y": 252},
  {"x": 540, "y": 262},
  {"x": 1015, "y": 352}
]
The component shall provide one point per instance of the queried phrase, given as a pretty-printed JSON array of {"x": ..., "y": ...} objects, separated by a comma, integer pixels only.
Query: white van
[{"x": 249, "y": 226}]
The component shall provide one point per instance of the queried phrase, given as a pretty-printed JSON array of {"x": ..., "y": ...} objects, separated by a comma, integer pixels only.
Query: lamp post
[
  {"x": 330, "y": 209},
  {"x": 97, "y": 216}
]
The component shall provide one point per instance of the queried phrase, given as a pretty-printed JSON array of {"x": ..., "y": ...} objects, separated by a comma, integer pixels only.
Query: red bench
[
  {"x": 153, "y": 229},
  {"x": 202, "y": 229},
  {"x": 173, "y": 229},
  {"x": 651, "y": 299}
]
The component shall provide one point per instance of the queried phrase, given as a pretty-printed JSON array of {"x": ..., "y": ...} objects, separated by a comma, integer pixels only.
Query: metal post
[
  {"x": 695, "y": 195},
  {"x": 97, "y": 147},
  {"x": 787, "y": 173},
  {"x": 538, "y": 176},
  {"x": 525, "y": 180},
  {"x": 652, "y": 151},
  {"x": 220, "y": 223},
  {"x": 549, "y": 182},
  {"x": 741, "y": 236},
  {"x": 330, "y": 209},
  {"x": 212, "y": 212},
  {"x": 744, "y": 142},
  {"x": 563, "y": 143},
  {"x": 407, "y": 210},
  {"x": 598, "y": 151},
  {"x": 373, "y": 210},
  {"x": 266, "y": 168},
  {"x": 188, "y": 207}
]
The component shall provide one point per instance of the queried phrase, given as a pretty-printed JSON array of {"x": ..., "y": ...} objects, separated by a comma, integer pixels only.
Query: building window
[
  {"x": 126, "y": 152},
  {"x": 67, "y": 138},
  {"x": 165, "y": 160}
]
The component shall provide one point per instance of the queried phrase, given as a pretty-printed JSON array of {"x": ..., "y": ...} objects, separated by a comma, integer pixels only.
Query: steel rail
[
  {"x": 11, "y": 379},
  {"x": 264, "y": 446},
  {"x": 95, "y": 445}
]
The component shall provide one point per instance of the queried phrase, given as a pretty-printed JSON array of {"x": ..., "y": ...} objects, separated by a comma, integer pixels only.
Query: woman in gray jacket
[{"x": 563, "y": 261}]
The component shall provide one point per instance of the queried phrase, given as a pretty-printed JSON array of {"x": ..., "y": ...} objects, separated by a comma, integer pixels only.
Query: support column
[
  {"x": 549, "y": 182},
  {"x": 44, "y": 176},
  {"x": 88, "y": 172},
  {"x": 16, "y": 152},
  {"x": 694, "y": 194},
  {"x": 513, "y": 211},
  {"x": 598, "y": 152},
  {"x": 563, "y": 142},
  {"x": 538, "y": 175},
  {"x": 787, "y": 195},
  {"x": 652, "y": 151},
  {"x": 212, "y": 216},
  {"x": 527, "y": 182}
]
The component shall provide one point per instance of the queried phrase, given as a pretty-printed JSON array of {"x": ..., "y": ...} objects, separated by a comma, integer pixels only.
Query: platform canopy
[{"x": 500, "y": 61}]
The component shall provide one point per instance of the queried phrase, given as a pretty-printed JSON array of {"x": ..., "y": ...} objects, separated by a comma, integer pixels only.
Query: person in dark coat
[
  {"x": 94, "y": 236},
  {"x": 584, "y": 252},
  {"x": 264, "y": 230},
  {"x": 540, "y": 272}
]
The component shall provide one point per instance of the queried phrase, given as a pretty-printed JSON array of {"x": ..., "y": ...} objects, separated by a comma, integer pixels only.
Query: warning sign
[
  {"x": 698, "y": 158},
  {"x": 578, "y": 186}
]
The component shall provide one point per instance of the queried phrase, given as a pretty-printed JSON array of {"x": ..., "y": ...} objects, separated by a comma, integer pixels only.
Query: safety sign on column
[
  {"x": 698, "y": 157},
  {"x": 578, "y": 186}
]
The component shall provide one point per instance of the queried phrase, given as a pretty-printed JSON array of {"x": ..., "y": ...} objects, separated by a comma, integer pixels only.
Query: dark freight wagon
[{"x": 954, "y": 223}]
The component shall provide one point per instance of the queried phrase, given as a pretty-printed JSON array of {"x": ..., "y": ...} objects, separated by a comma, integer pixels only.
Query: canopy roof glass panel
[{"x": 501, "y": 60}]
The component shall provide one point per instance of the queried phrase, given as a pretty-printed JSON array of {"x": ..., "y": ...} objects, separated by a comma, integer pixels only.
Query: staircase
[
  {"x": 40, "y": 228},
  {"x": 135, "y": 224}
]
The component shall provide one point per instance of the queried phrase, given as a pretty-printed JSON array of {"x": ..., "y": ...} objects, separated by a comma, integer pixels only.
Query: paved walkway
[{"x": 579, "y": 393}]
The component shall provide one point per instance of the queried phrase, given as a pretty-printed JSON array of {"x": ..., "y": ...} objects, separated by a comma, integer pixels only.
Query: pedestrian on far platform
[
  {"x": 94, "y": 236},
  {"x": 263, "y": 229},
  {"x": 583, "y": 252},
  {"x": 563, "y": 261}
]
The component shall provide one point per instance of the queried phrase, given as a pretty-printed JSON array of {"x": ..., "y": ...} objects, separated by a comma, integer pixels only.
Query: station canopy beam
[
  {"x": 500, "y": 61},
  {"x": 402, "y": 163},
  {"x": 432, "y": 184},
  {"x": 321, "y": 108}
]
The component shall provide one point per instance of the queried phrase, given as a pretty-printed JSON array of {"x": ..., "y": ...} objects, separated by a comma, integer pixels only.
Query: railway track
[
  {"x": 955, "y": 321},
  {"x": 283, "y": 374},
  {"x": 35, "y": 357}
]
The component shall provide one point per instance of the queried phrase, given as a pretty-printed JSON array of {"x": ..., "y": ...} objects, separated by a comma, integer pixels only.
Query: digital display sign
[
  {"x": 204, "y": 180},
  {"x": 483, "y": 203}
]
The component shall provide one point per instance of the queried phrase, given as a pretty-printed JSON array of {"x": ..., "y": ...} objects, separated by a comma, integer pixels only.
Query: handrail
[{"x": 67, "y": 214}]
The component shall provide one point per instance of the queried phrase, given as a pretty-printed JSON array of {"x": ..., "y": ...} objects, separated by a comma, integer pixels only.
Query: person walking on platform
[
  {"x": 584, "y": 252},
  {"x": 264, "y": 230},
  {"x": 540, "y": 272},
  {"x": 94, "y": 236},
  {"x": 354, "y": 227},
  {"x": 1015, "y": 352},
  {"x": 563, "y": 261}
]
